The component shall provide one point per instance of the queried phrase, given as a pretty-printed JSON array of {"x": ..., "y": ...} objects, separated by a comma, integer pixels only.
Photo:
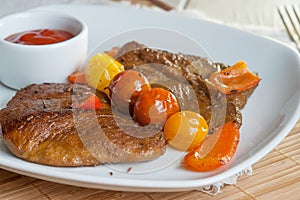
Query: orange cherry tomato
[
  {"x": 77, "y": 77},
  {"x": 125, "y": 88},
  {"x": 216, "y": 150},
  {"x": 185, "y": 130},
  {"x": 155, "y": 106}
]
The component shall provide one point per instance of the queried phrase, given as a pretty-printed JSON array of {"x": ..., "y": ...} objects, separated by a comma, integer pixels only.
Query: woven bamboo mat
[{"x": 276, "y": 176}]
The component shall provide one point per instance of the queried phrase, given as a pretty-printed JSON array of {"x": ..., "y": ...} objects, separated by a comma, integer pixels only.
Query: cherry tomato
[
  {"x": 101, "y": 69},
  {"x": 125, "y": 88},
  {"x": 185, "y": 130},
  {"x": 155, "y": 106},
  {"x": 216, "y": 150}
]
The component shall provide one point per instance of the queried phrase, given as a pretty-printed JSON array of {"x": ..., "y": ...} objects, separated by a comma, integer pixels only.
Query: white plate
[{"x": 268, "y": 117}]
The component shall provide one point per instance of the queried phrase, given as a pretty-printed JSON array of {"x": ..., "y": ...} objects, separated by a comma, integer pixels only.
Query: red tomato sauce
[{"x": 39, "y": 37}]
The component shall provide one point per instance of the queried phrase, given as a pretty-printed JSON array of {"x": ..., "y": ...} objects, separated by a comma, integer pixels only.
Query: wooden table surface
[{"x": 276, "y": 176}]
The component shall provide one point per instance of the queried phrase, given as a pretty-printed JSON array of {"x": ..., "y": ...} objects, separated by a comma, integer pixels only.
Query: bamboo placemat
[{"x": 276, "y": 176}]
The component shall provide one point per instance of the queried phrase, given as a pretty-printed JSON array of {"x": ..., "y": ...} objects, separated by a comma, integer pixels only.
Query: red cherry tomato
[
  {"x": 155, "y": 106},
  {"x": 125, "y": 88}
]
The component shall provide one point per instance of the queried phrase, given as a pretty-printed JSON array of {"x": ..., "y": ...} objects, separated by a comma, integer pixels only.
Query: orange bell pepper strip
[
  {"x": 234, "y": 79},
  {"x": 77, "y": 77},
  {"x": 91, "y": 103},
  {"x": 216, "y": 150}
]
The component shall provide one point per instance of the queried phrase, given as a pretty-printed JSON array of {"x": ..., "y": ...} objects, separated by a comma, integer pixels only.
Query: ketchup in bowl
[{"x": 39, "y": 37}]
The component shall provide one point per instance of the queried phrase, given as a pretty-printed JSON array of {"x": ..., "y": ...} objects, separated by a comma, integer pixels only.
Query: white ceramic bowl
[{"x": 21, "y": 65}]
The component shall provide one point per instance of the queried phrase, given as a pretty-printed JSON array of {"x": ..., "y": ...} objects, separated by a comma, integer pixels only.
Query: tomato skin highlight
[
  {"x": 155, "y": 106},
  {"x": 216, "y": 150}
]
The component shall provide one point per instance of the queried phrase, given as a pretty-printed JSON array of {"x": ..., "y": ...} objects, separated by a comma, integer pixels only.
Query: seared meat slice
[
  {"x": 41, "y": 125},
  {"x": 186, "y": 76}
]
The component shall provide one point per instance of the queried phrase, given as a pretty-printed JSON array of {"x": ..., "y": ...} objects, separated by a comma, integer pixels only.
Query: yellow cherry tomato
[
  {"x": 185, "y": 130},
  {"x": 101, "y": 68}
]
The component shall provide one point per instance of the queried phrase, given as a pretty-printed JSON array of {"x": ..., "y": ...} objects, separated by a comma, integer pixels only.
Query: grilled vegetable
[
  {"x": 91, "y": 103},
  {"x": 126, "y": 87},
  {"x": 155, "y": 106},
  {"x": 216, "y": 150},
  {"x": 234, "y": 79},
  {"x": 185, "y": 130},
  {"x": 100, "y": 70},
  {"x": 77, "y": 77}
]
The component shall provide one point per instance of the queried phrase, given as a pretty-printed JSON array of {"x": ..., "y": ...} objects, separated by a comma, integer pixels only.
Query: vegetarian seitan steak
[{"x": 40, "y": 125}]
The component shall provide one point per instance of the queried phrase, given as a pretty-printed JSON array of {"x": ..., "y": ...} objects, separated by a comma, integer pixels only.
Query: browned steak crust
[{"x": 40, "y": 125}]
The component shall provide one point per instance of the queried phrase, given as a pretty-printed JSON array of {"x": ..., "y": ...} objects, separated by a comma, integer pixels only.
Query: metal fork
[{"x": 291, "y": 19}]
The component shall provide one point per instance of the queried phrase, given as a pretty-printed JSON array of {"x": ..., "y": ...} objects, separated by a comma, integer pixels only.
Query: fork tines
[{"x": 290, "y": 17}]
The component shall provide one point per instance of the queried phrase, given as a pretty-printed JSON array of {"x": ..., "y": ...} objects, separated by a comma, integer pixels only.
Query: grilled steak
[{"x": 40, "y": 125}]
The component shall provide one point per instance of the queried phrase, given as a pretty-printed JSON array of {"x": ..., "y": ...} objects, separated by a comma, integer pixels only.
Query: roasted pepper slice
[
  {"x": 234, "y": 79},
  {"x": 77, "y": 77},
  {"x": 216, "y": 150},
  {"x": 91, "y": 103}
]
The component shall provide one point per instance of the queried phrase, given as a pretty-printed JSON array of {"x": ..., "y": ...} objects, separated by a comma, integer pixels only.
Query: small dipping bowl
[{"x": 21, "y": 65}]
